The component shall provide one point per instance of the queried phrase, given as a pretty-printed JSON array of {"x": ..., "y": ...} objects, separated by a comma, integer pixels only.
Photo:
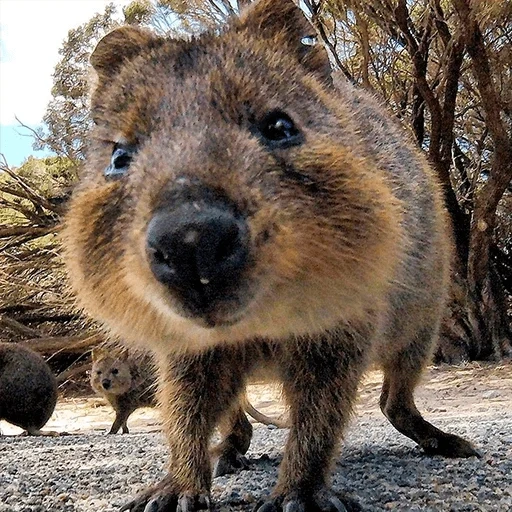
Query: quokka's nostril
[
  {"x": 228, "y": 245},
  {"x": 158, "y": 255}
]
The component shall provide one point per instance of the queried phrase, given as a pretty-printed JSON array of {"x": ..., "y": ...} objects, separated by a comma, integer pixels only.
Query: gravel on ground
[{"x": 383, "y": 470}]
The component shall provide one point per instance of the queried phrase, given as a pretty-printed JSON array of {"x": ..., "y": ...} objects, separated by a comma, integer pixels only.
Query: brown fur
[
  {"x": 28, "y": 388},
  {"x": 127, "y": 382},
  {"x": 347, "y": 239}
]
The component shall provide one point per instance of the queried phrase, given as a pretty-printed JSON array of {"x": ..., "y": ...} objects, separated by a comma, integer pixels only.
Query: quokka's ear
[
  {"x": 123, "y": 355},
  {"x": 283, "y": 23},
  {"x": 98, "y": 353},
  {"x": 119, "y": 46}
]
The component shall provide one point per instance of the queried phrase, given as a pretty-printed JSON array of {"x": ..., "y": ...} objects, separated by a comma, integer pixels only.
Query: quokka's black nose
[
  {"x": 106, "y": 383},
  {"x": 199, "y": 251}
]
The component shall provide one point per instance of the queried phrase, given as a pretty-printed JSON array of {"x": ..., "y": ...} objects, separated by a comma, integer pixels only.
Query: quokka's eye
[
  {"x": 279, "y": 131},
  {"x": 122, "y": 155},
  {"x": 115, "y": 371}
]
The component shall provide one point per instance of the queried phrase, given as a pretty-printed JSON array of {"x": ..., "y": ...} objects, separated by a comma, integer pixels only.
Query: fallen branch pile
[{"x": 35, "y": 306}]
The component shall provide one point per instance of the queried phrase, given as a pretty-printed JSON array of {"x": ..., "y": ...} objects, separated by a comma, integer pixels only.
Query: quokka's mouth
[
  {"x": 214, "y": 313},
  {"x": 213, "y": 323}
]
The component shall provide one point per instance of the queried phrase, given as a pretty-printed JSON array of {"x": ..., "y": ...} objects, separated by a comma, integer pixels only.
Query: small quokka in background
[
  {"x": 242, "y": 208},
  {"x": 28, "y": 388},
  {"x": 127, "y": 381}
]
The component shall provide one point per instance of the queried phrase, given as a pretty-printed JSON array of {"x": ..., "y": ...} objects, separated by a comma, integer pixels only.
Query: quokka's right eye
[{"x": 122, "y": 155}]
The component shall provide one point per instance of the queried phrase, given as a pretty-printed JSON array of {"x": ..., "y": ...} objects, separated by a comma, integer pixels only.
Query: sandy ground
[{"x": 470, "y": 391}]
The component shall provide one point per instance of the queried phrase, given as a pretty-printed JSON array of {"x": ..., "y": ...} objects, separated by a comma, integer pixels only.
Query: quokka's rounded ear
[
  {"x": 97, "y": 353},
  {"x": 123, "y": 355},
  {"x": 285, "y": 23},
  {"x": 119, "y": 46}
]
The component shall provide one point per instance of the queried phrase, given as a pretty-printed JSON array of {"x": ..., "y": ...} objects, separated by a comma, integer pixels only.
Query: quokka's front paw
[
  {"x": 323, "y": 501},
  {"x": 163, "y": 498}
]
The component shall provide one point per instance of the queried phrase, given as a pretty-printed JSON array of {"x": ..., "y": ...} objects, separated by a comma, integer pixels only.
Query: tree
[
  {"x": 485, "y": 286},
  {"x": 447, "y": 76},
  {"x": 197, "y": 15},
  {"x": 33, "y": 302},
  {"x": 66, "y": 118}
]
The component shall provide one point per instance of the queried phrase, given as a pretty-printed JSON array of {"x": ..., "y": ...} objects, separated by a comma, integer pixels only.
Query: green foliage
[
  {"x": 139, "y": 12},
  {"x": 197, "y": 15},
  {"x": 51, "y": 175},
  {"x": 31, "y": 195}
]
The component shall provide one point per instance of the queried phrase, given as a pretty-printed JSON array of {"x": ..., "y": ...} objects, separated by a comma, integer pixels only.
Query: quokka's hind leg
[
  {"x": 236, "y": 433},
  {"x": 402, "y": 372},
  {"x": 120, "y": 421}
]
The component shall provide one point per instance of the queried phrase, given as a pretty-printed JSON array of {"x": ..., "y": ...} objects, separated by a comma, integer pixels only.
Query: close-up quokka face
[{"x": 226, "y": 194}]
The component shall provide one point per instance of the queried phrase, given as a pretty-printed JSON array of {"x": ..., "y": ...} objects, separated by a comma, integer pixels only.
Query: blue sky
[
  {"x": 16, "y": 145},
  {"x": 31, "y": 33}
]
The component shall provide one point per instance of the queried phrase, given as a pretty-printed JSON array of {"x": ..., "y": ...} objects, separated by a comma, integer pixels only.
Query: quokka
[{"x": 242, "y": 208}]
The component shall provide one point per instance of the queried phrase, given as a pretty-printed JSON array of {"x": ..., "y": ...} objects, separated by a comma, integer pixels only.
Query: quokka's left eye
[
  {"x": 278, "y": 130},
  {"x": 122, "y": 155}
]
